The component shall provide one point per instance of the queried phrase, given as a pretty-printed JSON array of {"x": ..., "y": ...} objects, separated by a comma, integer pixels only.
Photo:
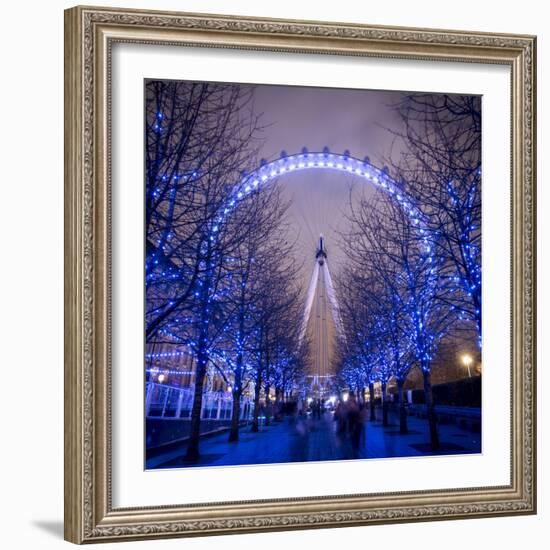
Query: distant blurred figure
[
  {"x": 355, "y": 422},
  {"x": 317, "y": 409},
  {"x": 363, "y": 419},
  {"x": 340, "y": 417}
]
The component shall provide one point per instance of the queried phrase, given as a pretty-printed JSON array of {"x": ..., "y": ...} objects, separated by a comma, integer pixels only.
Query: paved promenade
[{"x": 303, "y": 440}]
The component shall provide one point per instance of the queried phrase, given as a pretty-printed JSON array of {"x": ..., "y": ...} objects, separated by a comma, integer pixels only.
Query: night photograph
[{"x": 312, "y": 274}]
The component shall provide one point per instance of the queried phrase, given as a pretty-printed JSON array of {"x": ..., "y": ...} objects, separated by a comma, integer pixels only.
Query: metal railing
[{"x": 164, "y": 401}]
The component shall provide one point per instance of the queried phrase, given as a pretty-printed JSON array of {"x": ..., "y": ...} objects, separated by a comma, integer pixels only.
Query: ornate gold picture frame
[{"x": 90, "y": 34}]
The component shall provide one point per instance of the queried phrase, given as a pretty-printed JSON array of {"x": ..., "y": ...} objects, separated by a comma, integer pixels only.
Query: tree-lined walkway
[{"x": 305, "y": 440}]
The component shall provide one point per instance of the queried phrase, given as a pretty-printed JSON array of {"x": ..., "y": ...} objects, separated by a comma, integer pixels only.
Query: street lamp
[{"x": 467, "y": 361}]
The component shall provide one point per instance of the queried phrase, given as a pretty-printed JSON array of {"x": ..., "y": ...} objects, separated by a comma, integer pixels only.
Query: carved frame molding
[{"x": 89, "y": 35}]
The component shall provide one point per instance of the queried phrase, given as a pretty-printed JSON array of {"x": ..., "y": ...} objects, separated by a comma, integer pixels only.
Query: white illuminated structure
[
  {"x": 321, "y": 324},
  {"x": 321, "y": 321},
  {"x": 326, "y": 160}
]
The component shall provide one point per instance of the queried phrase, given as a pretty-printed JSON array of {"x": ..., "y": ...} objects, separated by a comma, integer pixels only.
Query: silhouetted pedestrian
[{"x": 355, "y": 425}]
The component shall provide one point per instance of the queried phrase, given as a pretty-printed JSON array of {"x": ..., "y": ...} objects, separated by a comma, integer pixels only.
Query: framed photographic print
[{"x": 300, "y": 274}]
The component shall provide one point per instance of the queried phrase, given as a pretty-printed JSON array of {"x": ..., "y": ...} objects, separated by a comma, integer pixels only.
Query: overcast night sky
[{"x": 315, "y": 118}]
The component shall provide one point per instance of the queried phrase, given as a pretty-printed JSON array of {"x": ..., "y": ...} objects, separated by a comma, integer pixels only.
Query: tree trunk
[
  {"x": 384, "y": 405},
  {"x": 195, "y": 429},
  {"x": 430, "y": 410},
  {"x": 235, "y": 415},
  {"x": 402, "y": 409},
  {"x": 255, "y": 420},
  {"x": 267, "y": 371},
  {"x": 267, "y": 406},
  {"x": 278, "y": 403},
  {"x": 237, "y": 382},
  {"x": 371, "y": 402},
  {"x": 202, "y": 362}
]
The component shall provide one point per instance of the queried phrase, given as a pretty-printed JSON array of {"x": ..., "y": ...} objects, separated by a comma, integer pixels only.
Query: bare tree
[
  {"x": 249, "y": 273},
  {"x": 410, "y": 297},
  {"x": 357, "y": 351},
  {"x": 200, "y": 139},
  {"x": 441, "y": 166},
  {"x": 276, "y": 314}
]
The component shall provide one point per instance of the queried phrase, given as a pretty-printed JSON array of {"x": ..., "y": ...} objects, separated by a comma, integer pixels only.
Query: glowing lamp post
[{"x": 467, "y": 362}]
